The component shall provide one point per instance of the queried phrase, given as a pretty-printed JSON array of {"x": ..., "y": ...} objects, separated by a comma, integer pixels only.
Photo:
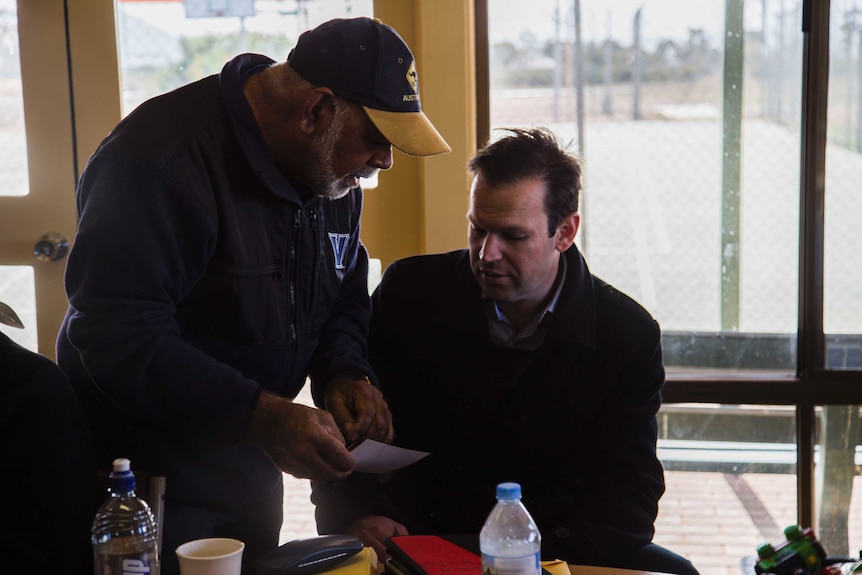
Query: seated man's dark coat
[{"x": 574, "y": 422}]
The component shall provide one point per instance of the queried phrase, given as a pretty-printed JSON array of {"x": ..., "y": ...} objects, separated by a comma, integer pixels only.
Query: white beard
[{"x": 324, "y": 182}]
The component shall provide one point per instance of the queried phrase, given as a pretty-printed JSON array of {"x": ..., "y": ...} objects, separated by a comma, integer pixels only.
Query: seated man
[
  {"x": 46, "y": 465},
  {"x": 511, "y": 362}
]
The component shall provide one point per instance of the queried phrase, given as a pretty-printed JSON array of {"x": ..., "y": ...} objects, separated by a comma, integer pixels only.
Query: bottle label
[
  {"x": 526, "y": 565},
  {"x": 137, "y": 564}
]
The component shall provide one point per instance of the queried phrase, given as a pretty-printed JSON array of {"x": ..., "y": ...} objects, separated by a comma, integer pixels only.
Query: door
[
  {"x": 38, "y": 167},
  {"x": 52, "y": 115}
]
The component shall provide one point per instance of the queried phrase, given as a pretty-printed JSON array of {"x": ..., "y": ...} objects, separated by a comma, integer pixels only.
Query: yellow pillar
[
  {"x": 95, "y": 73},
  {"x": 420, "y": 204}
]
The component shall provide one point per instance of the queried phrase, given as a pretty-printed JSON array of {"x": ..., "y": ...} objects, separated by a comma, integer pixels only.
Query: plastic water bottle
[
  {"x": 510, "y": 541},
  {"x": 124, "y": 530}
]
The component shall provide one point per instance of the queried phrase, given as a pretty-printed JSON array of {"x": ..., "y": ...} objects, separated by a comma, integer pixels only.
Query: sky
[
  {"x": 659, "y": 18},
  {"x": 272, "y": 16},
  {"x": 510, "y": 19}
]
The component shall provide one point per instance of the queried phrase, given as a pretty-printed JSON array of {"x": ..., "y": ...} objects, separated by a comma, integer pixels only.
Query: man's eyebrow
[
  {"x": 513, "y": 230},
  {"x": 510, "y": 230}
]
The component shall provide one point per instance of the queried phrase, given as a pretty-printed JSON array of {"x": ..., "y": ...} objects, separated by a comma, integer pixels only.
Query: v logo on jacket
[{"x": 339, "y": 243}]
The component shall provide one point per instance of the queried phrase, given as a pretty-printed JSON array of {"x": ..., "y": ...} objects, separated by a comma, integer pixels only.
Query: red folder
[{"x": 430, "y": 555}]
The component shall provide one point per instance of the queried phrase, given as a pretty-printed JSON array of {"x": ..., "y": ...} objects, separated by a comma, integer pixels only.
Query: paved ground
[{"x": 716, "y": 520}]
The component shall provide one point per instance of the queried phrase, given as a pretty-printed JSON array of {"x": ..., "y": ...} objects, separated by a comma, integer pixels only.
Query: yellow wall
[
  {"x": 95, "y": 73},
  {"x": 420, "y": 204}
]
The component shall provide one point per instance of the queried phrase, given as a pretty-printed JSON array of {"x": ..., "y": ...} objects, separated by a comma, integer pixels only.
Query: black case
[{"x": 306, "y": 556}]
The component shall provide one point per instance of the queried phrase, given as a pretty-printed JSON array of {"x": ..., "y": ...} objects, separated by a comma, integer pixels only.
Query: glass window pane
[
  {"x": 165, "y": 44},
  {"x": 842, "y": 285},
  {"x": 730, "y": 473},
  {"x": 14, "y": 179},
  {"x": 18, "y": 291},
  {"x": 687, "y": 117}
]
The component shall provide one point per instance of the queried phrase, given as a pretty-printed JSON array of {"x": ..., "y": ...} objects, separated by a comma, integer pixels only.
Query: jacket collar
[
  {"x": 258, "y": 156},
  {"x": 573, "y": 319}
]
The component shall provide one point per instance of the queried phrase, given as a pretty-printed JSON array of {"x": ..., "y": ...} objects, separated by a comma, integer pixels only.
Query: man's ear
[
  {"x": 317, "y": 111},
  {"x": 567, "y": 231}
]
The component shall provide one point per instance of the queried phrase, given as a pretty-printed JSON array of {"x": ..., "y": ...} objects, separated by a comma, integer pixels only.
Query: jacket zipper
[
  {"x": 291, "y": 290},
  {"x": 321, "y": 241}
]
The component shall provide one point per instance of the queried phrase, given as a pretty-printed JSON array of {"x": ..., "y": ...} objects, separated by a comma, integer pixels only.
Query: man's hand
[
  {"x": 303, "y": 441},
  {"x": 359, "y": 410},
  {"x": 373, "y": 530}
]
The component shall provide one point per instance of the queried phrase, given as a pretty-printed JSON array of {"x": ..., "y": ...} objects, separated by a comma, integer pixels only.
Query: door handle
[{"x": 51, "y": 247}]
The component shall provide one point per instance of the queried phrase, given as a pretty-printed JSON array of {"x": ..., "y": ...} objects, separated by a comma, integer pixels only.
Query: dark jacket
[
  {"x": 574, "y": 422},
  {"x": 46, "y": 467},
  {"x": 198, "y": 277}
]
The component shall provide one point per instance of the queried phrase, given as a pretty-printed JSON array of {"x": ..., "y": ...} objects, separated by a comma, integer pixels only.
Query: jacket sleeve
[
  {"x": 343, "y": 345},
  {"x": 142, "y": 244},
  {"x": 339, "y": 504},
  {"x": 617, "y": 477}
]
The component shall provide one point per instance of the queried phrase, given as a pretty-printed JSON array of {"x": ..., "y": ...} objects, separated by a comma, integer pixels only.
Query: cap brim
[{"x": 411, "y": 132}]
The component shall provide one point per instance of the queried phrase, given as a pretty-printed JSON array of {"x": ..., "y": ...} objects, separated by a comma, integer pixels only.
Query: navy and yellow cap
[{"x": 365, "y": 61}]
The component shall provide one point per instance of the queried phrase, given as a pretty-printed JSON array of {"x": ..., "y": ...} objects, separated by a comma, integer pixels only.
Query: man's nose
[
  {"x": 382, "y": 159},
  {"x": 490, "y": 250}
]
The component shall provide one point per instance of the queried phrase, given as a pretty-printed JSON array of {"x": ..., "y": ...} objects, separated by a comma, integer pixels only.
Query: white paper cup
[{"x": 217, "y": 556}]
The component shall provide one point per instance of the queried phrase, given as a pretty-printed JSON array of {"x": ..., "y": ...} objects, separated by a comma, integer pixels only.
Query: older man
[{"x": 218, "y": 263}]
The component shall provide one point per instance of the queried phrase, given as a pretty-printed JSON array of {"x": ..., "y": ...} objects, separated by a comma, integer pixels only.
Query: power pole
[{"x": 731, "y": 165}]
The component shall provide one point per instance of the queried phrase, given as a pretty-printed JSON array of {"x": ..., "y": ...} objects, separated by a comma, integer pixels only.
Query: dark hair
[{"x": 534, "y": 153}]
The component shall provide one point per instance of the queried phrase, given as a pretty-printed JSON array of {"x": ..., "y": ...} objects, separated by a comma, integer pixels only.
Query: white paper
[{"x": 375, "y": 457}]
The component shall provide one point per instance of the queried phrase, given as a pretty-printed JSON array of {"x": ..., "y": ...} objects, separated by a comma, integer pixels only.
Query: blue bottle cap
[
  {"x": 121, "y": 478},
  {"x": 508, "y": 491}
]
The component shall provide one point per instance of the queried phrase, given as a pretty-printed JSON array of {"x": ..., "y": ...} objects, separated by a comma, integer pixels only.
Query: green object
[
  {"x": 793, "y": 532},
  {"x": 799, "y": 553}
]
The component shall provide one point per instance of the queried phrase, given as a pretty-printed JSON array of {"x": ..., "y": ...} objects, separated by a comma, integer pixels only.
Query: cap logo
[
  {"x": 413, "y": 80},
  {"x": 412, "y": 77}
]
